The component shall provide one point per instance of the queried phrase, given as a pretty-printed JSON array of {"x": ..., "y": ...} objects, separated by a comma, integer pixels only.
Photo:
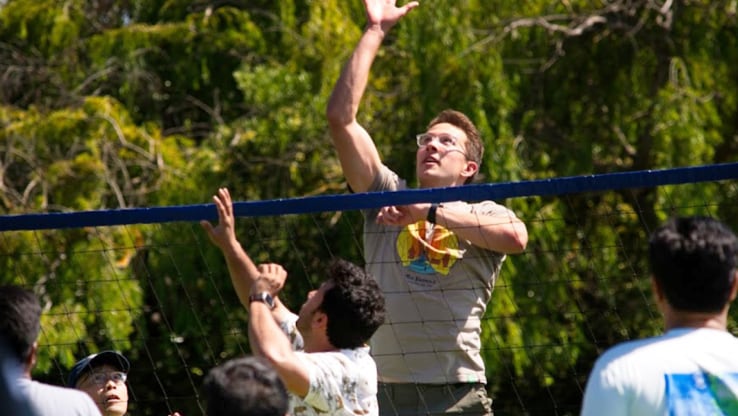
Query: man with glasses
[
  {"x": 20, "y": 324},
  {"x": 436, "y": 263},
  {"x": 103, "y": 377}
]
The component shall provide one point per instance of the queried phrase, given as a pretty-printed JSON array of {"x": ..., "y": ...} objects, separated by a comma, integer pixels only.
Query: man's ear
[
  {"x": 320, "y": 320},
  {"x": 734, "y": 287},
  {"x": 658, "y": 292},
  {"x": 31, "y": 358},
  {"x": 471, "y": 168}
]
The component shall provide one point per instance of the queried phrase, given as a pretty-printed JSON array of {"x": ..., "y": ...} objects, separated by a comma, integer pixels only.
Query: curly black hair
[{"x": 354, "y": 305}]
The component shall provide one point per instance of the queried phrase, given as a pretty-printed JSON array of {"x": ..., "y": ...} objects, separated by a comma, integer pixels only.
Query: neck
[
  {"x": 314, "y": 345},
  {"x": 427, "y": 184},
  {"x": 27, "y": 365},
  {"x": 680, "y": 319},
  {"x": 321, "y": 348}
]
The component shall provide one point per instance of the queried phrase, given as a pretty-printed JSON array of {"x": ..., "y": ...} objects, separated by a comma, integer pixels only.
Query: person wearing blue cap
[
  {"x": 103, "y": 377},
  {"x": 20, "y": 324}
]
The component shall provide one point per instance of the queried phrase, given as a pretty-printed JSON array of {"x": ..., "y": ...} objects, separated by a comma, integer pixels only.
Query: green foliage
[
  {"x": 154, "y": 103},
  {"x": 88, "y": 157},
  {"x": 43, "y": 24}
]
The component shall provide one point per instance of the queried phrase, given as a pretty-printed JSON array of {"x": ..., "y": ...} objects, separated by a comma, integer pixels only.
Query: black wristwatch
[
  {"x": 263, "y": 297},
  {"x": 432, "y": 212}
]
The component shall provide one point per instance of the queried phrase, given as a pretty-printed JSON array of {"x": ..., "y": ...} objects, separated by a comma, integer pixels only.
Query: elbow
[
  {"x": 519, "y": 240},
  {"x": 335, "y": 123},
  {"x": 339, "y": 115},
  {"x": 335, "y": 115},
  {"x": 519, "y": 245}
]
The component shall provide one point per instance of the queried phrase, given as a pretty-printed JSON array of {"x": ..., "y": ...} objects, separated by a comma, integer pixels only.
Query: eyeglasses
[
  {"x": 100, "y": 379},
  {"x": 446, "y": 140}
]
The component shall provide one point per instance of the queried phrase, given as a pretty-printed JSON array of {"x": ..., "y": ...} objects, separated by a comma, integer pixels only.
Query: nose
[{"x": 433, "y": 144}]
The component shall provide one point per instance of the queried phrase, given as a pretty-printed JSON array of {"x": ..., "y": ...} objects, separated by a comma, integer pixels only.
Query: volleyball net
[{"x": 147, "y": 282}]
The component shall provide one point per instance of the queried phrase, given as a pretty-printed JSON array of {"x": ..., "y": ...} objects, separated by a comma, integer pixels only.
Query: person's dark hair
[
  {"x": 247, "y": 386},
  {"x": 474, "y": 146},
  {"x": 20, "y": 319},
  {"x": 354, "y": 305},
  {"x": 694, "y": 260}
]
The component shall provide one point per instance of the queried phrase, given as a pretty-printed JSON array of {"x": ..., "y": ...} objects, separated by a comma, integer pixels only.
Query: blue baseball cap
[{"x": 112, "y": 358}]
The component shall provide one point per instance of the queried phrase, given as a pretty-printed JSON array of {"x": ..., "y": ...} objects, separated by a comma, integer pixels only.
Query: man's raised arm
[
  {"x": 358, "y": 155},
  {"x": 241, "y": 268}
]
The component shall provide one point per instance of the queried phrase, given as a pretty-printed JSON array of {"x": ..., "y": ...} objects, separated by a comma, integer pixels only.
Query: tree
[{"x": 116, "y": 104}]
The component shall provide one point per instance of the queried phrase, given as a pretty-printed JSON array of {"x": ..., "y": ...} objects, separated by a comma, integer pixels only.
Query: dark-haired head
[
  {"x": 20, "y": 320},
  {"x": 354, "y": 305},
  {"x": 693, "y": 259},
  {"x": 247, "y": 386}
]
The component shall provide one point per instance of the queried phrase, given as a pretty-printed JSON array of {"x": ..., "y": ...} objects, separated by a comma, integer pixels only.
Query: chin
[
  {"x": 116, "y": 409},
  {"x": 423, "y": 178}
]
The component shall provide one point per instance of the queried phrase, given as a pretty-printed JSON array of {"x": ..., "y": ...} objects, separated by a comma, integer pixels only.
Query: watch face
[
  {"x": 263, "y": 297},
  {"x": 269, "y": 300}
]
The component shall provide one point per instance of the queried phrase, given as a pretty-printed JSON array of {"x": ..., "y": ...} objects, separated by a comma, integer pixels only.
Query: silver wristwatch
[{"x": 263, "y": 297}]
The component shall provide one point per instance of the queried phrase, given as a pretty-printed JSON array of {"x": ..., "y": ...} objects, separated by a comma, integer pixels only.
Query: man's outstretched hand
[
  {"x": 385, "y": 13},
  {"x": 223, "y": 235}
]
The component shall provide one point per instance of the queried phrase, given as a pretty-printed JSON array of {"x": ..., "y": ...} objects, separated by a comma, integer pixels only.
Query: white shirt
[
  {"x": 683, "y": 372},
  {"x": 342, "y": 383},
  {"x": 50, "y": 400}
]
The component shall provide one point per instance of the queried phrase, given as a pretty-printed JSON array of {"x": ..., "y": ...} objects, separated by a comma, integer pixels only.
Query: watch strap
[
  {"x": 432, "y": 213},
  {"x": 264, "y": 297}
]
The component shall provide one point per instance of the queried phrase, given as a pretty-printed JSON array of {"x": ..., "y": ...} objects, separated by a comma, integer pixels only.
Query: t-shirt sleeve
[
  {"x": 604, "y": 394},
  {"x": 328, "y": 379},
  {"x": 493, "y": 209},
  {"x": 289, "y": 327},
  {"x": 386, "y": 180}
]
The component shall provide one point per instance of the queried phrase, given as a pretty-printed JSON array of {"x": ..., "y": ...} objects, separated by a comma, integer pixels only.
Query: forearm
[
  {"x": 344, "y": 101},
  {"x": 242, "y": 270},
  {"x": 359, "y": 157},
  {"x": 501, "y": 233},
  {"x": 265, "y": 335},
  {"x": 267, "y": 340}
]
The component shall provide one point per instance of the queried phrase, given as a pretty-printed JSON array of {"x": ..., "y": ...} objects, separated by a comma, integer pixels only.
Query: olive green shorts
[{"x": 410, "y": 399}]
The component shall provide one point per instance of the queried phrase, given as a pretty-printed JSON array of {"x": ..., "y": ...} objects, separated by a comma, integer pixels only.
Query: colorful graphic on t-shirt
[
  {"x": 426, "y": 248},
  {"x": 702, "y": 394}
]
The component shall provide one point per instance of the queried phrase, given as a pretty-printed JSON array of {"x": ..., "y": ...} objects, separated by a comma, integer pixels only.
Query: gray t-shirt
[
  {"x": 436, "y": 289},
  {"x": 50, "y": 400}
]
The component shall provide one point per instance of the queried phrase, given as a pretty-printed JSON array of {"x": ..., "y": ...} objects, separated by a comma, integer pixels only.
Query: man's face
[
  {"x": 107, "y": 389},
  {"x": 310, "y": 307},
  {"x": 441, "y": 157}
]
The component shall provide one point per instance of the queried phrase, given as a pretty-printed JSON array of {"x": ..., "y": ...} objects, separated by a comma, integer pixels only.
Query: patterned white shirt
[{"x": 341, "y": 382}]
